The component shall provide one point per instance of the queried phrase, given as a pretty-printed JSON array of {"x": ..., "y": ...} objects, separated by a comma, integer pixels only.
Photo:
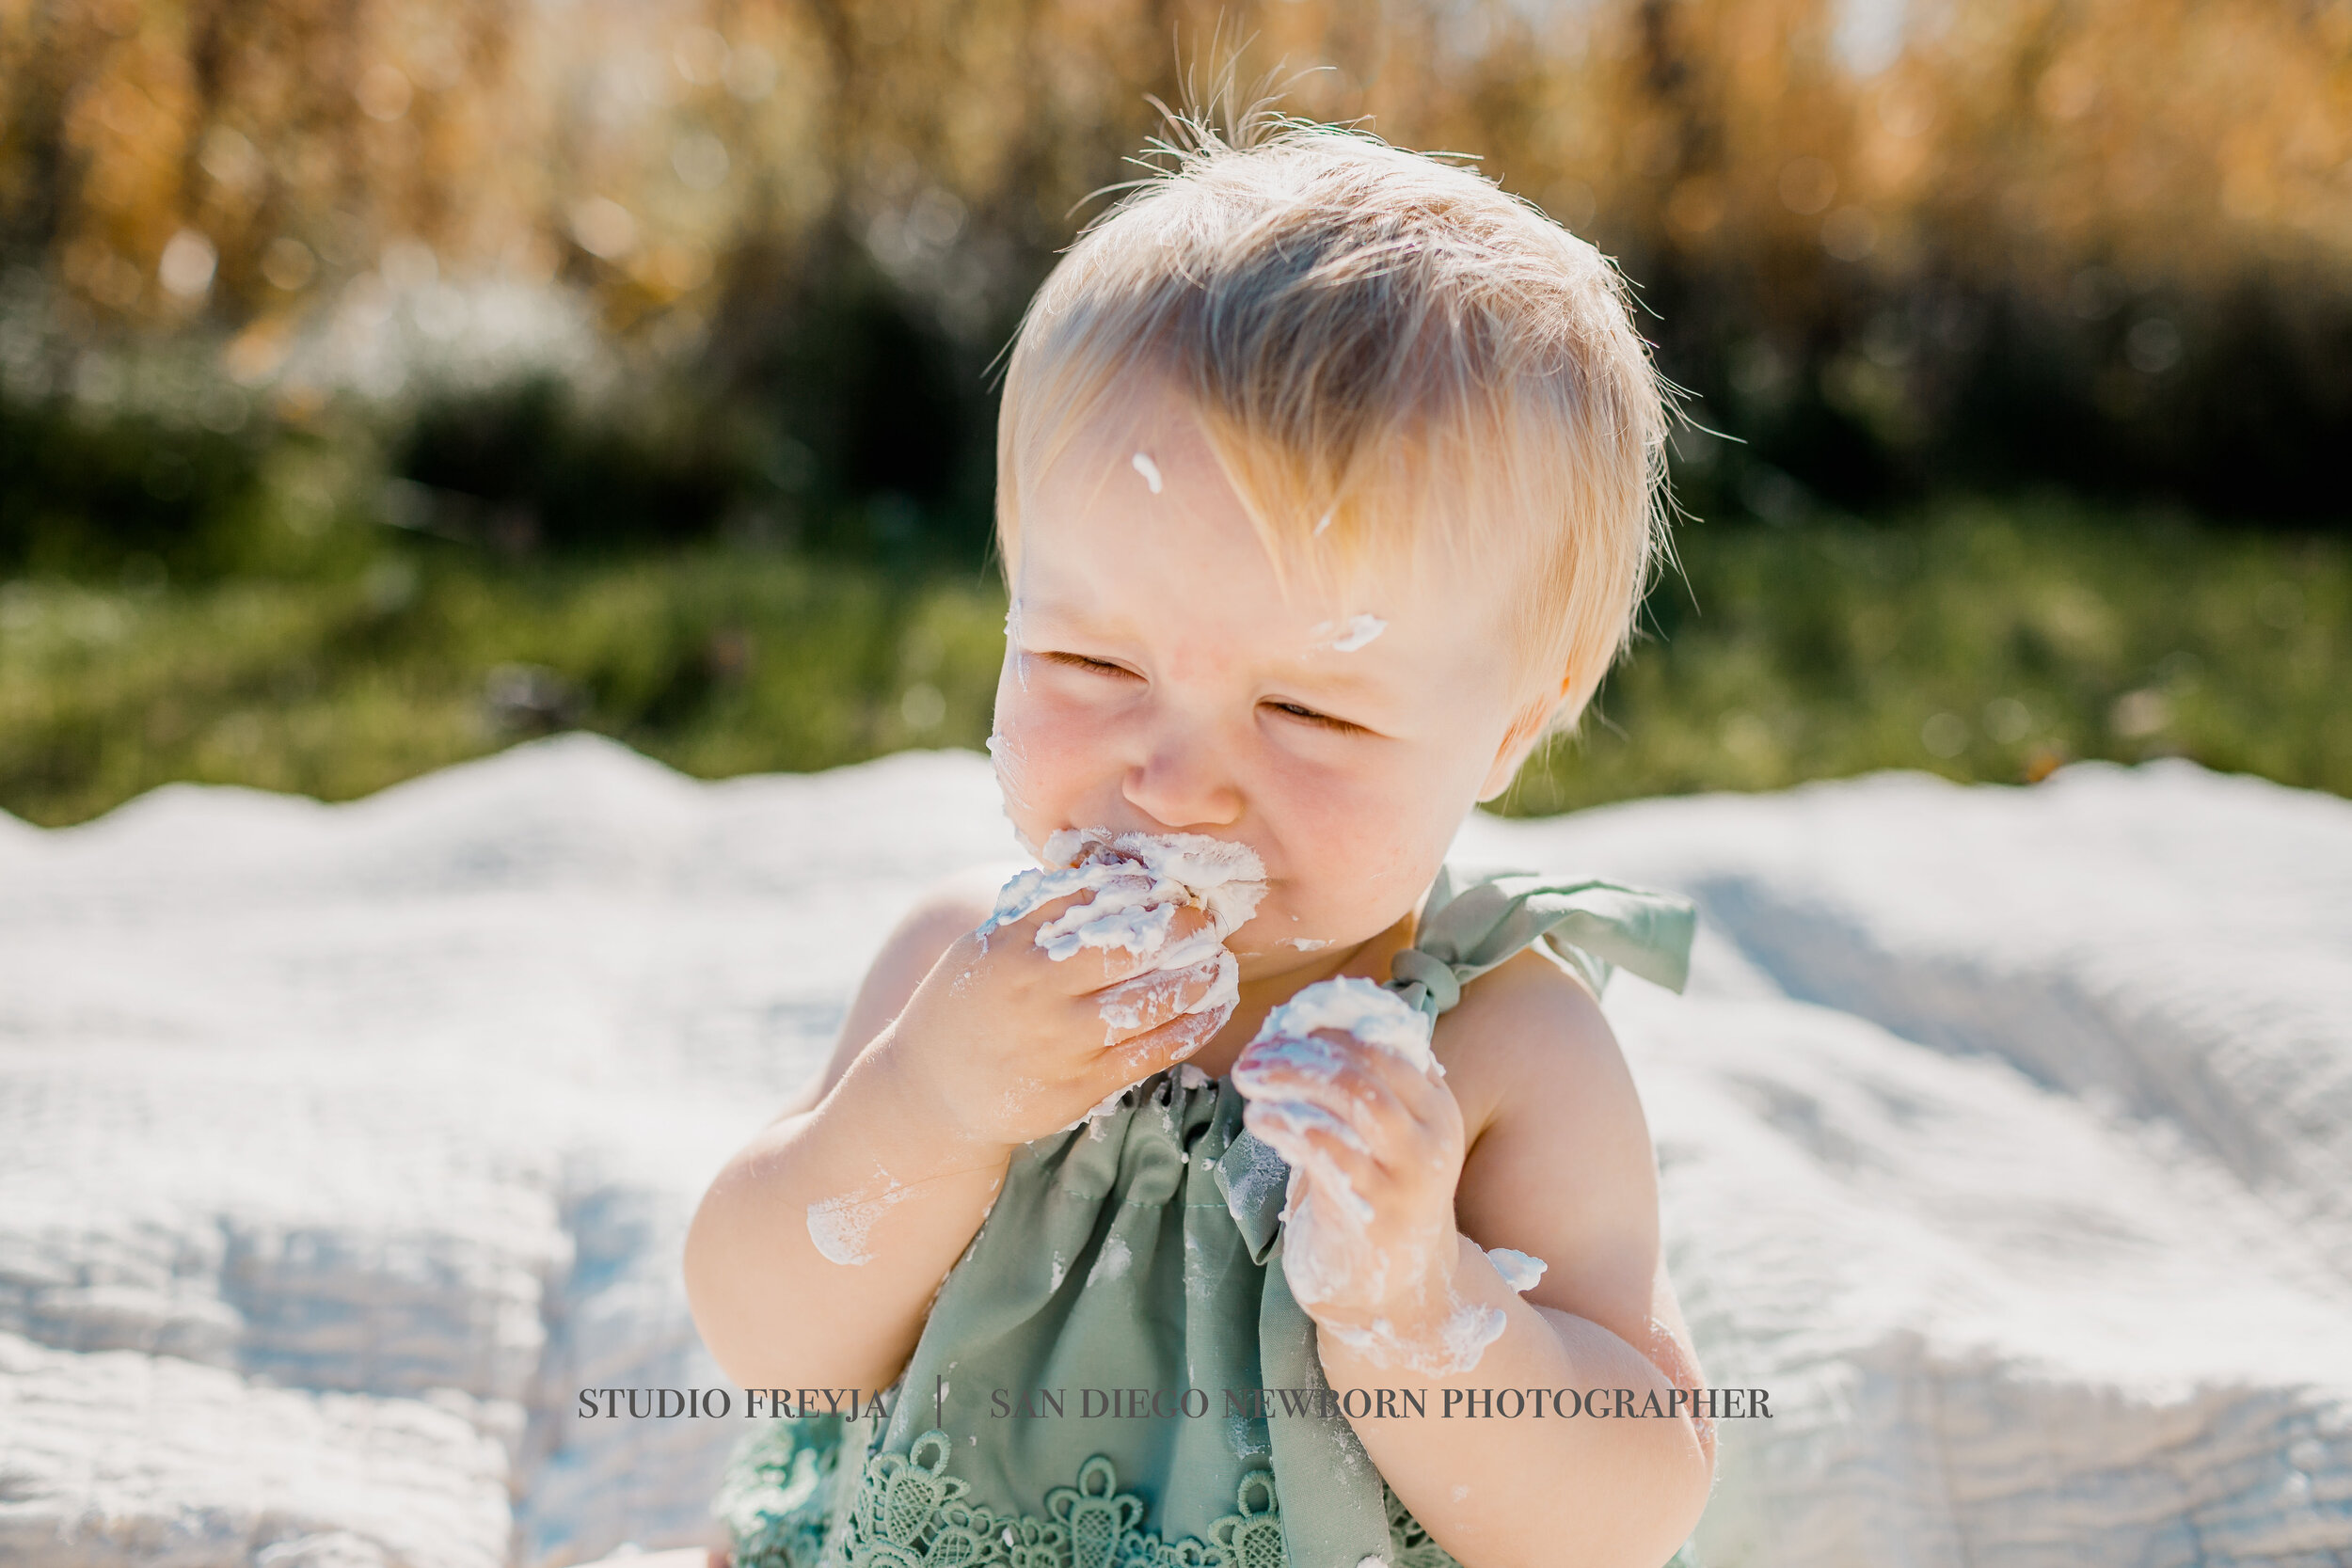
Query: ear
[{"x": 1517, "y": 742}]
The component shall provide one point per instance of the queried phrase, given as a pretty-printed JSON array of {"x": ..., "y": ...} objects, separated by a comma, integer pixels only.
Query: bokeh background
[{"x": 381, "y": 384}]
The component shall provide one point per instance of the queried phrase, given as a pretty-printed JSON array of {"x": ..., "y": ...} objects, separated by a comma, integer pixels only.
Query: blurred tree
[{"x": 2102, "y": 240}]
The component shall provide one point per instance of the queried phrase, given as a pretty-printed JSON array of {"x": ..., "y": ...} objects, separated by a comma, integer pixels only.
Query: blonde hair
[{"x": 1376, "y": 343}]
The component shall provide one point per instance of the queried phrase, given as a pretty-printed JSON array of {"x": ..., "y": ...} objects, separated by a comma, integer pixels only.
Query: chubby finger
[
  {"x": 1321, "y": 1056},
  {"x": 1141, "y": 1056},
  {"x": 1333, "y": 1157},
  {"x": 1098, "y": 935},
  {"x": 1131, "y": 1006},
  {"x": 1286, "y": 1064},
  {"x": 1023, "y": 909},
  {"x": 1303, "y": 1122},
  {"x": 1340, "y": 1078},
  {"x": 1417, "y": 1092},
  {"x": 1164, "y": 937}
]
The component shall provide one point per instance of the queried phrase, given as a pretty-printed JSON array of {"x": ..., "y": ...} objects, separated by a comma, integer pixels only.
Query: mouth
[{"x": 1224, "y": 878}]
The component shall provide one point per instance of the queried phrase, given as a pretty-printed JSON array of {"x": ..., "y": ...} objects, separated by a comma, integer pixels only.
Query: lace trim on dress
[{"x": 909, "y": 1512}]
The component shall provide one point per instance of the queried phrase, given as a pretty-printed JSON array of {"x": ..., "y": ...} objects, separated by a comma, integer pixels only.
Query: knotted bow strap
[
  {"x": 1333, "y": 1507},
  {"x": 1468, "y": 926},
  {"x": 1591, "y": 926}
]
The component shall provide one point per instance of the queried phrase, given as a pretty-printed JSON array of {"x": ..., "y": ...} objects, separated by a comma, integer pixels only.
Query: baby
[{"x": 1326, "y": 490}]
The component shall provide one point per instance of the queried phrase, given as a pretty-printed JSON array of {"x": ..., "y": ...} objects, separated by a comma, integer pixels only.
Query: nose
[{"x": 1181, "y": 782}]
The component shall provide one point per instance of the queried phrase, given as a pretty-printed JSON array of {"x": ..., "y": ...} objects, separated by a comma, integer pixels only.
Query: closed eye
[
  {"x": 1080, "y": 662},
  {"x": 1308, "y": 716}
]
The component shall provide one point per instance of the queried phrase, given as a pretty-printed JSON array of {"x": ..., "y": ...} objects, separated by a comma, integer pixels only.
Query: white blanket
[{"x": 2006, "y": 1137}]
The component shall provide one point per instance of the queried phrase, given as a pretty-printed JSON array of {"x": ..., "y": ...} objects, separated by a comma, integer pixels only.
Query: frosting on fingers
[{"x": 1136, "y": 885}]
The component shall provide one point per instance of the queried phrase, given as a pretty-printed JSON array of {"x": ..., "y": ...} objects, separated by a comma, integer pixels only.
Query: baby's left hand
[{"x": 1375, "y": 1148}]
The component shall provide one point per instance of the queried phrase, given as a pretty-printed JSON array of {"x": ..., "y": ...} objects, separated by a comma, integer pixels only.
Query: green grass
[
  {"x": 717, "y": 662},
  {"x": 1981, "y": 641}
]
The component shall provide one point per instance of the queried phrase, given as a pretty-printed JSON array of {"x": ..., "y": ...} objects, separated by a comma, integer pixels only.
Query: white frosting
[
  {"x": 1346, "y": 637},
  {"x": 838, "y": 1226},
  {"x": 1519, "y": 1270},
  {"x": 1329, "y": 1251},
  {"x": 1224, "y": 992},
  {"x": 1013, "y": 642},
  {"x": 1457, "y": 1346},
  {"x": 1261, "y": 1073},
  {"x": 1112, "y": 1263},
  {"x": 1368, "y": 1011},
  {"x": 1149, "y": 469},
  {"x": 1137, "y": 882},
  {"x": 1126, "y": 1006},
  {"x": 1007, "y": 760},
  {"x": 1294, "y": 1116}
]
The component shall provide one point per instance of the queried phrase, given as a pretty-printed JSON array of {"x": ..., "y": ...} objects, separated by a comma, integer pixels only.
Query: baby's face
[{"x": 1156, "y": 678}]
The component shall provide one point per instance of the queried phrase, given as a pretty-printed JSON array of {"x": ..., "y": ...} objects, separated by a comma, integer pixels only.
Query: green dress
[{"x": 1134, "y": 1259}]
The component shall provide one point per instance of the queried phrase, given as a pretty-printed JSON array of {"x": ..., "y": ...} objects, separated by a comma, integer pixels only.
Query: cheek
[
  {"x": 1045, "y": 749},
  {"x": 1370, "y": 837}
]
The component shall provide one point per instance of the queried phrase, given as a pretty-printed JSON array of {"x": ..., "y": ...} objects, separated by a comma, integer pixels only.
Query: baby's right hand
[{"x": 1006, "y": 1045}]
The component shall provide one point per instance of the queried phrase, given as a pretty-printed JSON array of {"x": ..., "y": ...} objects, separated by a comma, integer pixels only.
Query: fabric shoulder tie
[
  {"x": 1591, "y": 926},
  {"x": 1470, "y": 924}
]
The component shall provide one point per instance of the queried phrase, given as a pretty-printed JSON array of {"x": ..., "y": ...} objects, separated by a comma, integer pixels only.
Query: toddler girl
[{"x": 1142, "y": 1187}]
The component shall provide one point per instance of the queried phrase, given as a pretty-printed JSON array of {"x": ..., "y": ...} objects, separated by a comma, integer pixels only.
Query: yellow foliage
[{"x": 637, "y": 149}]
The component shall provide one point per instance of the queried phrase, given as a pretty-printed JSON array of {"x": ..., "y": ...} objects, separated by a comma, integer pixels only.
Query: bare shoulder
[
  {"x": 944, "y": 913},
  {"x": 1558, "y": 1157},
  {"x": 946, "y": 910},
  {"x": 1521, "y": 1031}
]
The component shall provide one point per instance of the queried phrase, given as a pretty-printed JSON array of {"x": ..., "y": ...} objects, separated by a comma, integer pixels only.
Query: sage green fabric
[{"x": 1143, "y": 1251}]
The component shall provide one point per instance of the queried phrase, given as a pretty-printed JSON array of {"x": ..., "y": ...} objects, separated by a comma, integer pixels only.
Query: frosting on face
[
  {"x": 1138, "y": 881},
  {"x": 1346, "y": 637}
]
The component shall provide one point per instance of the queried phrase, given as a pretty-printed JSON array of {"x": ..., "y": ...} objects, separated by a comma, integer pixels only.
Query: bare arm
[
  {"x": 774, "y": 1309},
  {"x": 814, "y": 1257},
  {"x": 1562, "y": 1168},
  {"x": 1533, "y": 1139},
  {"x": 951, "y": 908}
]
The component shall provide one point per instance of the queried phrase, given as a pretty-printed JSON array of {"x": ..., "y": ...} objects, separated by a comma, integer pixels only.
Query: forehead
[
  {"x": 1136, "y": 507},
  {"x": 1103, "y": 550},
  {"x": 1142, "y": 467}
]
